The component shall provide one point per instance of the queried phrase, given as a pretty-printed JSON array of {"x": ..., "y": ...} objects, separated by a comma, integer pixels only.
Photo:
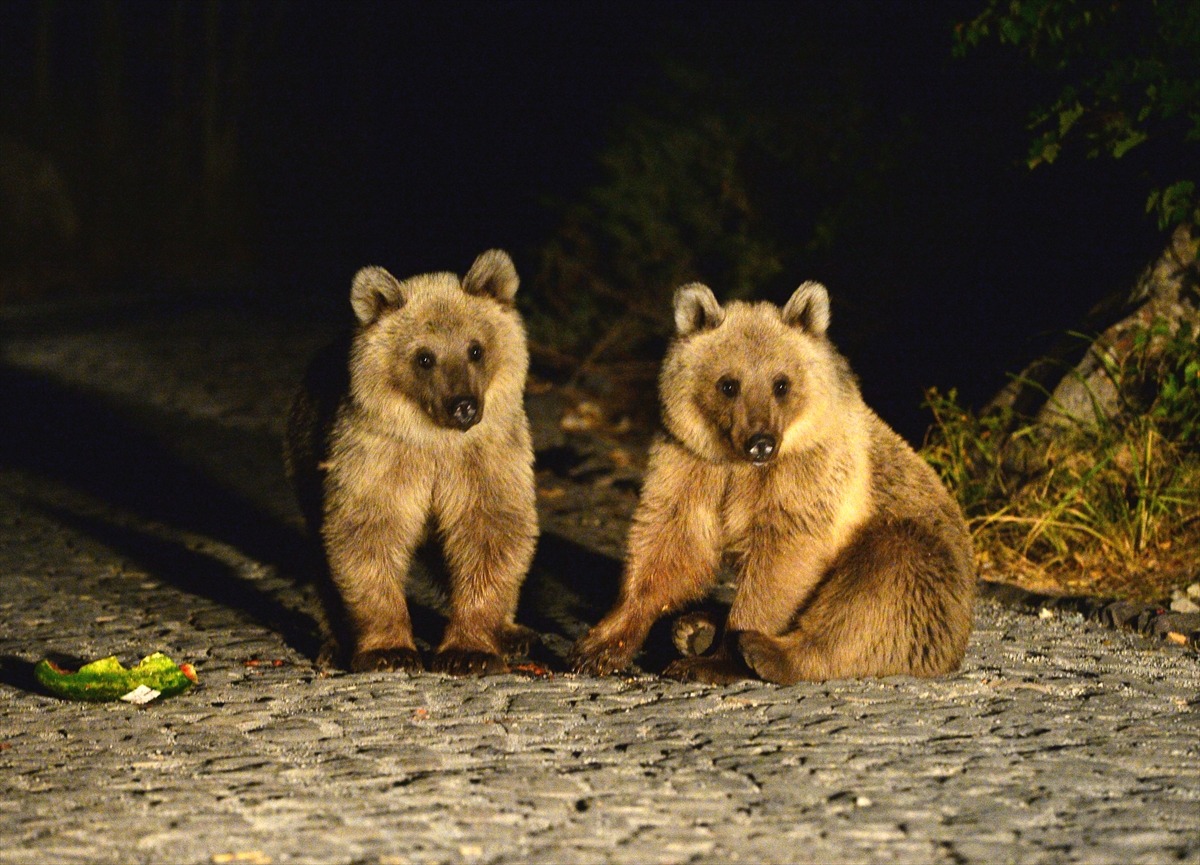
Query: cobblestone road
[{"x": 142, "y": 508}]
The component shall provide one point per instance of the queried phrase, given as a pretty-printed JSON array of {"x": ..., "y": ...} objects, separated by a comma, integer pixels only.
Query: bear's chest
[{"x": 783, "y": 501}]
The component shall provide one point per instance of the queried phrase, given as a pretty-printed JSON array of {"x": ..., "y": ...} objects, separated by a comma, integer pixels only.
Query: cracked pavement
[{"x": 143, "y": 507}]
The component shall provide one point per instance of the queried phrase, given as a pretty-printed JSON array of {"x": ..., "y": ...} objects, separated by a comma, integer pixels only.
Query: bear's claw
[
  {"x": 377, "y": 660},
  {"x": 601, "y": 660},
  {"x": 462, "y": 662}
]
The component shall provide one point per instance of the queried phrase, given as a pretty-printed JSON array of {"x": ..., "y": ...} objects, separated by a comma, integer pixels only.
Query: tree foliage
[
  {"x": 674, "y": 205},
  {"x": 721, "y": 176},
  {"x": 1125, "y": 72},
  {"x": 144, "y": 110}
]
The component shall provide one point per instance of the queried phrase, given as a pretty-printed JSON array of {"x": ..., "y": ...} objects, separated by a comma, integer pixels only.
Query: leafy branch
[{"x": 1126, "y": 72}]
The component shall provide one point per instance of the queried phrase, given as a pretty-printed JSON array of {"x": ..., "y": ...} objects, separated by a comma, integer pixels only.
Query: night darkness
[{"x": 415, "y": 135}]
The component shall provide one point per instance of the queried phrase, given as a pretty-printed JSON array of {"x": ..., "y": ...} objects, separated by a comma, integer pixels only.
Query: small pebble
[{"x": 1181, "y": 603}]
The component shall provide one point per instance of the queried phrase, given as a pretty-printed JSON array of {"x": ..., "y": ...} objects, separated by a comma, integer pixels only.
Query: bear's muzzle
[
  {"x": 760, "y": 448},
  {"x": 463, "y": 411}
]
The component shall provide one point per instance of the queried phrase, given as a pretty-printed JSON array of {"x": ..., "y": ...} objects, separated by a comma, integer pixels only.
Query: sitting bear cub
[
  {"x": 851, "y": 558},
  {"x": 418, "y": 427}
]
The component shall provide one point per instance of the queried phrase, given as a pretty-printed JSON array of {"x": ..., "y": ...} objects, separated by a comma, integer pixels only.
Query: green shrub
[{"x": 1123, "y": 76}]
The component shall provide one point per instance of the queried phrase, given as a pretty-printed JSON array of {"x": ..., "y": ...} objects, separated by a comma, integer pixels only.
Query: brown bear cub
[
  {"x": 850, "y": 556},
  {"x": 418, "y": 427}
]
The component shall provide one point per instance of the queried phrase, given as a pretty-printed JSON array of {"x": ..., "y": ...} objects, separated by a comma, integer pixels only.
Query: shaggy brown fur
[
  {"x": 418, "y": 426},
  {"x": 851, "y": 557}
]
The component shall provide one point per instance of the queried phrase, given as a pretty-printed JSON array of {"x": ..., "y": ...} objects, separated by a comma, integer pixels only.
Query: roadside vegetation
[
  {"x": 1104, "y": 501},
  {"x": 1106, "y": 504}
]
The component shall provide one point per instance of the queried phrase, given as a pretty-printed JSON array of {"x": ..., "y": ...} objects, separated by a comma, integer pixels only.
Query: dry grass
[{"x": 1107, "y": 507}]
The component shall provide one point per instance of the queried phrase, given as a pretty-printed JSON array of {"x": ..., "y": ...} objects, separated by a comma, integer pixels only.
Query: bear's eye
[
  {"x": 782, "y": 386},
  {"x": 729, "y": 386},
  {"x": 475, "y": 352},
  {"x": 425, "y": 359}
]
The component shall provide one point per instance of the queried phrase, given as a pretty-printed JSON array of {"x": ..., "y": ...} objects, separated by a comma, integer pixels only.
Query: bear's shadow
[{"x": 111, "y": 473}]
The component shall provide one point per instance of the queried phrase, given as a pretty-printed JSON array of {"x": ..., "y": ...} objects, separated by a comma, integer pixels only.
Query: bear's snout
[
  {"x": 463, "y": 411},
  {"x": 760, "y": 448}
]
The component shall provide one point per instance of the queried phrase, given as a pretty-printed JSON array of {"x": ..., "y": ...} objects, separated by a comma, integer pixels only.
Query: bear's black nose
[
  {"x": 464, "y": 410},
  {"x": 760, "y": 447}
]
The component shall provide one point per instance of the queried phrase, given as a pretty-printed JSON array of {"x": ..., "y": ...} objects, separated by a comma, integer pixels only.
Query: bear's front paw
[
  {"x": 694, "y": 633},
  {"x": 517, "y": 641},
  {"x": 765, "y": 656},
  {"x": 464, "y": 662},
  {"x": 716, "y": 670},
  {"x": 330, "y": 658},
  {"x": 377, "y": 660},
  {"x": 592, "y": 657}
]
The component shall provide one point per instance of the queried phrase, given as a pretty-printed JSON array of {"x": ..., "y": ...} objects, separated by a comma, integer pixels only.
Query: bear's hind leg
[
  {"x": 897, "y": 601},
  {"x": 701, "y": 639}
]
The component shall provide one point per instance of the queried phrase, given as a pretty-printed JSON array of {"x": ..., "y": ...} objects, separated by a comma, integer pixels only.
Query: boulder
[{"x": 1168, "y": 291}]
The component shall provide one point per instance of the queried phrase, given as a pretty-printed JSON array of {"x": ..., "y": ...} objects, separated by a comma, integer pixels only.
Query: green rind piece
[{"x": 106, "y": 679}]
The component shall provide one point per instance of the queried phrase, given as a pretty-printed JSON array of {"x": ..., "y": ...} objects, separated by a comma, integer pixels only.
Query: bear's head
[
  {"x": 752, "y": 381},
  {"x": 432, "y": 348}
]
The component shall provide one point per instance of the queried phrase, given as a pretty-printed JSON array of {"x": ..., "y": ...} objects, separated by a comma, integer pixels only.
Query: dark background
[{"x": 274, "y": 148}]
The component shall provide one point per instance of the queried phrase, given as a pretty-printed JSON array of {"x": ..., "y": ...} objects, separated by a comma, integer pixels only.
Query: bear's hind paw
[
  {"x": 711, "y": 670},
  {"x": 517, "y": 641},
  {"x": 765, "y": 656},
  {"x": 694, "y": 633}
]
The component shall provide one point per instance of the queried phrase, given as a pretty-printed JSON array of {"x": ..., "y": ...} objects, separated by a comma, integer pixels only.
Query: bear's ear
[
  {"x": 375, "y": 289},
  {"x": 808, "y": 309},
  {"x": 696, "y": 309},
  {"x": 493, "y": 275}
]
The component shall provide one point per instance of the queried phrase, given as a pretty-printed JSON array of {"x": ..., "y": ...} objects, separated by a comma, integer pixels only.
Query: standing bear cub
[
  {"x": 418, "y": 427},
  {"x": 851, "y": 558}
]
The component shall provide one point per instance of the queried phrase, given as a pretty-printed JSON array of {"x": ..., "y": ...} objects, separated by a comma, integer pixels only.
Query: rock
[
  {"x": 1152, "y": 620},
  {"x": 1144, "y": 623},
  {"x": 1181, "y": 603},
  {"x": 1187, "y": 625},
  {"x": 1122, "y": 614},
  {"x": 1166, "y": 291}
]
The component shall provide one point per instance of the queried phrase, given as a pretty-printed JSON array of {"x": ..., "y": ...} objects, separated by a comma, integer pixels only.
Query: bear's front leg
[
  {"x": 677, "y": 573},
  {"x": 489, "y": 530},
  {"x": 674, "y": 550},
  {"x": 368, "y": 573},
  {"x": 609, "y": 647}
]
